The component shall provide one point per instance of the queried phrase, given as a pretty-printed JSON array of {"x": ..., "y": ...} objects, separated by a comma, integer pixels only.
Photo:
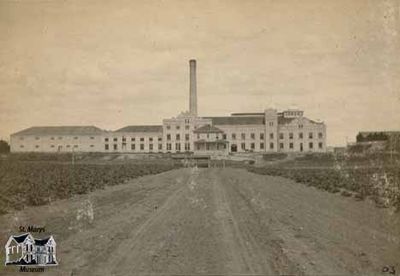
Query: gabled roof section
[
  {"x": 208, "y": 129},
  {"x": 145, "y": 128},
  {"x": 237, "y": 120},
  {"x": 42, "y": 241},
  {"x": 20, "y": 238},
  {"x": 60, "y": 130}
]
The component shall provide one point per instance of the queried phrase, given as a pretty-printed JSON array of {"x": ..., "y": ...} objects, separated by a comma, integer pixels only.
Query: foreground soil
[{"x": 213, "y": 221}]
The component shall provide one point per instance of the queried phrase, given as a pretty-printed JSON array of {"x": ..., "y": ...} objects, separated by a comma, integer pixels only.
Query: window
[
  {"x": 52, "y": 146},
  {"x": 300, "y": 126},
  {"x": 280, "y": 135},
  {"x": 310, "y": 145},
  {"x": 105, "y": 139},
  {"x": 252, "y": 135},
  {"x": 178, "y": 127},
  {"x": 133, "y": 147},
  {"x": 115, "y": 146},
  {"x": 169, "y": 137},
  {"x": 37, "y": 146},
  {"x": 91, "y": 146},
  {"x": 187, "y": 146},
  {"x": 187, "y": 137},
  {"x": 224, "y": 136},
  {"x": 261, "y": 145},
  {"x": 21, "y": 146},
  {"x": 150, "y": 146},
  {"x": 151, "y": 139},
  {"x": 52, "y": 138},
  {"x": 252, "y": 146},
  {"x": 178, "y": 146},
  {"x": 281, "y": 145},
  {"x": 243, "y": 136},
  {"x": 271, "y": 136},
  {"x": 320, "y": 135},
  {"x": 233, "y": 136},
  {"x": 301, "y": 135},
  {"x": 243, "y": 146},
  {"x": 198, "y": 136},
  {"x": 142, "y": 139},
  {"x": 159, "y": 139},
  {"x": 310, "y": 135},
  {"x": 187, "y": 121},
  {"x": 271, "y": 123},
  {"x": 271, "y": 145},
  {"x": 320, "y": 145},
  {"x": 37, "y": 138},
  {"x": 123, "y": 139},
  {"x": 91, "y": 138},
  {"x": 217, "y": 136},
  {"x": 168, "y": 146},
  {"x": 168, "y": 127},
  {"x": 261, "y": 136},
  {"x": 68, "y": 146},
  {"x": 208, "y": 135},
  {"x": 159, "y": 146},
  {"x": 291, "y": 146},
  {"x": 187, "y": 127},
  {"x": 115, "y": 139},
  {"x": 76, "y": 138},
  {"x": 133, "y": 139},
  {"x": 178, "y": 137},
  {"x": 291, "y": 135},
  {"x": 141, "y": 146}
]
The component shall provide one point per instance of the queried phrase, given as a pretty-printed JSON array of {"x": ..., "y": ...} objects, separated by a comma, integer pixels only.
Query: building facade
[{"x": 268, "y": 131}]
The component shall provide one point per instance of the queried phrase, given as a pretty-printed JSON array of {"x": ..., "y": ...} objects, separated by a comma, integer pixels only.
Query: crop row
[
  {"x": 38, "y": 183},
  {"x": 381, "y": 185}
]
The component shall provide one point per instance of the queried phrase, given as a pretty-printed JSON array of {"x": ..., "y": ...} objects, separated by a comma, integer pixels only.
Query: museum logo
[{"x": 29, "y": 253}]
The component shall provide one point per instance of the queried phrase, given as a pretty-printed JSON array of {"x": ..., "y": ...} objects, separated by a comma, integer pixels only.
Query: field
[
  {"x": 29, "y": 180},
  {"x": 376, "y": 177}
]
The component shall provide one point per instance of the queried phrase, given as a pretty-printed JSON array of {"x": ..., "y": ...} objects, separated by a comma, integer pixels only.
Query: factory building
[{"x": 268, "y": 131}]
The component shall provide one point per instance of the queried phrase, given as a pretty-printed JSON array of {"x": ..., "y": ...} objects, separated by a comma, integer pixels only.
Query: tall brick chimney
[{"x": 193, "y": 88}]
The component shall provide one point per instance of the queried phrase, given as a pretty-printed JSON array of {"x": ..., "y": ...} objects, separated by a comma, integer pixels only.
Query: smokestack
[{"x": 193, "y": 88}]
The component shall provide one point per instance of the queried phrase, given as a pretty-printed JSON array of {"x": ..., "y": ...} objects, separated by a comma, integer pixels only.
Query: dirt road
[{"x": 214, "y": 221}]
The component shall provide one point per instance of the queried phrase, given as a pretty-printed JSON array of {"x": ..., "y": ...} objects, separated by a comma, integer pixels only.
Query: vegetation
[
  {"x": 35, "y": 183},
  {"x": 4, "y": 147},
  {"x": 376, "y": 136},
  {"x": 373, "y": 176}
]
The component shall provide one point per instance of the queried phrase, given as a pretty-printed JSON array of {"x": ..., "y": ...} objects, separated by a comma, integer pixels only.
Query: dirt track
[{"x": 214, "y": 221}]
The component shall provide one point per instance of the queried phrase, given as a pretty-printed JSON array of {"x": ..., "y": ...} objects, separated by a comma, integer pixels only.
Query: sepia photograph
[{"x": 199, "y": 137}]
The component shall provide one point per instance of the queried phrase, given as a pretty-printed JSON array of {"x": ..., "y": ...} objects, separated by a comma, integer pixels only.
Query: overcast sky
[{"x": 117, "y": 63}]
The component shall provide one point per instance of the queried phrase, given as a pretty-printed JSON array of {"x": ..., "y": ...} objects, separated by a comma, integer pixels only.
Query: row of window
[
  {"x": 178, "y": 127},
  {"x": 178, "y": 137},
  {"x": 133, "y": 147},
  {"x": 54, "y": 138},
  {"x": 53, "y": 146},
  {"x": 133, "y": 139},
  {"x": 291, "y": 146}
]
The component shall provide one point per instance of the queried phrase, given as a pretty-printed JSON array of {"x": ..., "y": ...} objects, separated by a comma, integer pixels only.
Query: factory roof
[
  {"x": 237, "y": 120},
  {"x": 148, "y": 128},
  {"x": 208, "y": 129},
  {"x": 60, "y": 130}
]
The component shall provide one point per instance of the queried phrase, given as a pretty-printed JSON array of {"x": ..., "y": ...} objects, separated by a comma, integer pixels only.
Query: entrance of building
[{"x": 233, "y": 148}]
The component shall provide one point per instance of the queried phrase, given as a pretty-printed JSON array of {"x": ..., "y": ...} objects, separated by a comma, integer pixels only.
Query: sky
[{"x": 125, "y": 62}]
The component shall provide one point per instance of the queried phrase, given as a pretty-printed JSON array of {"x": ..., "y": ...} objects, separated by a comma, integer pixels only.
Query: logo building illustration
[{"x": 24, "y": 250}]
